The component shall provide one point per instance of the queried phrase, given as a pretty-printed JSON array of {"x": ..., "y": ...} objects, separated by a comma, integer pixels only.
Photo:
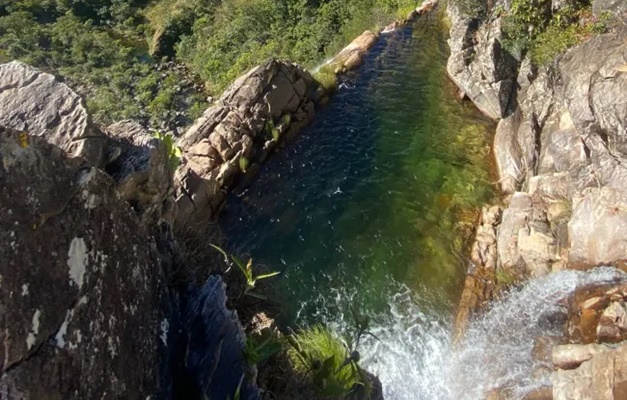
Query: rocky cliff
[
  {"x": 560, "y": 156},
  {"x": 88, "y": 308}
]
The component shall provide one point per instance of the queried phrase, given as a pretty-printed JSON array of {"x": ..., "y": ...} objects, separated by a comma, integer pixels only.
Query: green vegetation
[
  {"x": 318, "y": 352},
  {"x": 533, "y": 27},
  {"x": 229, "y": 38},
  {"x": 110, "y": 50},
  {"x": 99, "y": 47},
  {"x": 173, "y": 151},
  {"x": 261, "y": 347},
  {"x": 247, "y": 271},
  {"x": 327, "y": 78}
]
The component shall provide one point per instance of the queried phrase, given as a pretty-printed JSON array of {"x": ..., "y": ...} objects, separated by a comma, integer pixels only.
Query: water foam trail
[{"x": 415, "y": 360}]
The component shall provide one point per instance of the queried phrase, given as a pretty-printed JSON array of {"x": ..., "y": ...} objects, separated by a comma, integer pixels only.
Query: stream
[{"x": 371, "y": 205}]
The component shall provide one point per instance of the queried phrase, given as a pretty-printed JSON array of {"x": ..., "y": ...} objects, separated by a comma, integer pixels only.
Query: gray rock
[
  {"x": 215, "y": 340},
  {"x": 515, "y": 218},
  {"x": 273, "y": 99},
  {"x": 479, "y": 65},
  {"x": 617, "y": 8},
  {"x": 37, "y": 103},
  {"x": 143, "y": 172},
  {"x": 593, "y": 87},
  {"x": 81, "y": 282}
]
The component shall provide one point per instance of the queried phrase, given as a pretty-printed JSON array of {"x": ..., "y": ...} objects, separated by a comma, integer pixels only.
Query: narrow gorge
[{"x": 436, "y": 212}]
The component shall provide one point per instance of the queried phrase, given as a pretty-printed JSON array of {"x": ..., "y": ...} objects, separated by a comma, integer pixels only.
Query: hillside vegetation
[{"x": 115, "y": 51}]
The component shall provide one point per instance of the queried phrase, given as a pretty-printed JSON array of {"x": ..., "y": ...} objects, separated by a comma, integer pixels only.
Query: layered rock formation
[
  {"x": 270, "y": 102},
  {"x": 560, "y": 156}
]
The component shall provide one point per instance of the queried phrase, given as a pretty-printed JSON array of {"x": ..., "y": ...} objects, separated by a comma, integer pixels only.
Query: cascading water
[
  {"x": 369, "y": 206},
  {"x": 416, "y": 361}
]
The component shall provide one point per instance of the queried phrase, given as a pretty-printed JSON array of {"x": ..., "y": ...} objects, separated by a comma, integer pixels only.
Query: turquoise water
[{"x": 377, "y": 195}]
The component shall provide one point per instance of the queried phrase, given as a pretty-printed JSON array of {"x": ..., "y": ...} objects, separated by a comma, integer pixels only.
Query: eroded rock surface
[
  {"x": 37, "y": 103},
  {"x": 81, "y": 281},
  {"x": 272, "y": 101},
  {"x": 478, "y": 64}
]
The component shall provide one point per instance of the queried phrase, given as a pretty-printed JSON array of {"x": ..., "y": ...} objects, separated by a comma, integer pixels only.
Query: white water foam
[{"x": 415, "y": 360}]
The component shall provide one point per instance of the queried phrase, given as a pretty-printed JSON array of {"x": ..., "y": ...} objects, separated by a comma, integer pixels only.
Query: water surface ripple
[{"x": 369, "y": 204}]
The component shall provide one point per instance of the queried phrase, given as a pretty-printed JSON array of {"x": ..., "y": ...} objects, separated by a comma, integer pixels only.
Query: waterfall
[{"x": 415, "y": 360}]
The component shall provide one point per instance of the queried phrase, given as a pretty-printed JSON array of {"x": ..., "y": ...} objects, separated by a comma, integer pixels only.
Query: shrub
[
  {"x": 531, "y": 26},
  {"x": 326, "y": 77},
  {"x": 318, "y": 352}
]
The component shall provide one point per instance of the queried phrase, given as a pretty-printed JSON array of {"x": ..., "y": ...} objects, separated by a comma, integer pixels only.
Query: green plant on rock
[
  {"x": 317, "y": 352},
  {"x": 243, "y": 163},
  {"x": 262, "y": 346},
  {"x": 272, "y": 131},
  {"x": 326, "y": 77},
  {"x": 172, "y": 150},
  {"x": 247, "y": 271}
]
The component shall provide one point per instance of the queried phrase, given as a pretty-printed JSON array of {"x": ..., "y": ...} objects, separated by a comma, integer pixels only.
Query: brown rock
[{"x": 612, "y": 325}]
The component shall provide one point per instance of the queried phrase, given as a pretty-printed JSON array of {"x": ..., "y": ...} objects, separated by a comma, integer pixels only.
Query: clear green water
[{"x": 376, "y": 193}]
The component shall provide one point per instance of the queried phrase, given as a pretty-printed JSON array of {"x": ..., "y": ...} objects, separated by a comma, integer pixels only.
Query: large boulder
[
  {"x": 37, "y": 103},
  {"x": 271, "y": 101},
  {"x": 601, "y": 375},
  {"x": 81, "y": 281},
  {"x": 479, "y": 65}
]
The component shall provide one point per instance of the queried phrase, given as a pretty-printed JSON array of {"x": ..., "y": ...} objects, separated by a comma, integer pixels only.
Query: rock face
[
  {"x": 272, "y": 101},
  {"x": 560, "y": 150},
  {"x": 479, "y": 65},
  {"x": 86, "y": 306},
  {"x": 143, "y": 171},
  {"x": 215, "y": 340},
  {"x": 601, "y": 374},
  {"x": 37, "y": 103},
  {"x": 82, "y": 283}
]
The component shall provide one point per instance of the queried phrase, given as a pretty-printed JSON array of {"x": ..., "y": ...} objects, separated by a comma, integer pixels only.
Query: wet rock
[
  {"x": 81, "y": 281},
  {"x": 37, "y": 103},
  {"x": 542, "y": 393},
  {"x": 479, "y": 284},
  {"x": 143, "y": 171},
  {"x": 271, "y": 101},
  {"x": 543, "y": 347},
  {"x": 612, "y": 325},
  {"x": 603, "y": 376},
  {"x": 571, "y": 356}
]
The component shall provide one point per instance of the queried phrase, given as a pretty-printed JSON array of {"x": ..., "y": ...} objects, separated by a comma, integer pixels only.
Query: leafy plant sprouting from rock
[
  {"x": 173, "y": 151},
  {"x": 318, "y": 353},
  {"x": 247, "y": 271},
  {"x": 262, "y": 346},
  {"x": 332, "y": 363}
]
